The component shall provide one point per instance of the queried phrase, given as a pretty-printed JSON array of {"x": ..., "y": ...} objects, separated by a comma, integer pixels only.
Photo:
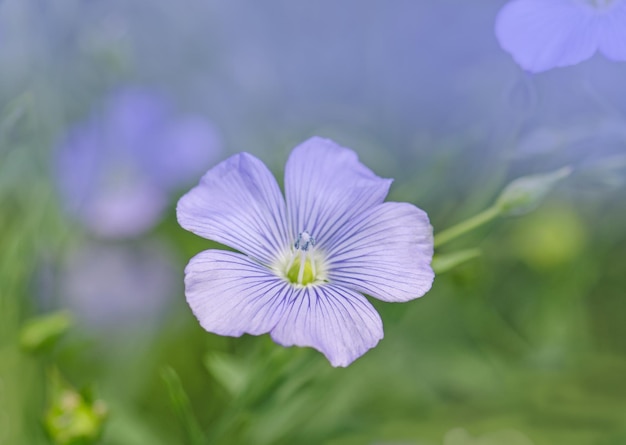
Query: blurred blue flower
[
  {"x": 115, "y": 286},
  {"x": 305, "y": 262},
  {"x": 544, "y": 34},
  {"x": 116, "y": 170}
]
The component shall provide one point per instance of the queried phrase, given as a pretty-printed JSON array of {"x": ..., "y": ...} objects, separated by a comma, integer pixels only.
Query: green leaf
[
  {"x": 448, "y": 261},
  {"x": 230, "y": 374},
  {"x": 43, "y": 332},
  {"x": 182, "y": 406}
]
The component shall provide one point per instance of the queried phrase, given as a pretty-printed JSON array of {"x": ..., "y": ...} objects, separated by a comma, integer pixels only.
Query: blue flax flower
[
  {"x": 116, "y": 170},
  {"x": 543, "y": 34},
  {"x": 305, "y": 260}
]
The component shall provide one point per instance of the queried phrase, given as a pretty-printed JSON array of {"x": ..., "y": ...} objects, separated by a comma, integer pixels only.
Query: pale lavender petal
[
  {"x": 238, "y": 203},
  {"x": 326, "y": 185},
  {"x": 543, "y": 34},
  {"x": 231, "y": 295},
  {"x": 338, "y": 322},
  {"x": 385, "y": 253},
  {"x": 612, "y": 24}
]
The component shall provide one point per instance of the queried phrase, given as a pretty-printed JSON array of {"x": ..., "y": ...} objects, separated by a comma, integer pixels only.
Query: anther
[
  {"x": 301, "y": 268},
  {"x": 304, "y": 241}
]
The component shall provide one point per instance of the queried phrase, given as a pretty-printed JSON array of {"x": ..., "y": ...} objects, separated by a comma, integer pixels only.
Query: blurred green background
[{"x": 525, "y": 344}]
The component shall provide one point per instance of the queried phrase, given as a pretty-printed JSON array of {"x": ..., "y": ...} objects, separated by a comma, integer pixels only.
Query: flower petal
[
  {"x": 326, "y": 185},
  {"x": 238, "y": 203},
  {"x": 338, "y": 322},
  {"x": 230, "y": 294},
  {"x": 613, "y": 31},
  {"x": 542, "y": 34},
  {"x": 385, "y": 253}
]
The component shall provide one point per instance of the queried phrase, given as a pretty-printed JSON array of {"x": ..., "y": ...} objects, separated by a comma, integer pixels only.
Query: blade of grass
[{"x": 182, "y": 407}]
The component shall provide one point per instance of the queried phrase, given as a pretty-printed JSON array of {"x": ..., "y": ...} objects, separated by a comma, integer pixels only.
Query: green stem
[
  {"x": 467, "y": 226},
  {"x": 182, "y": 406}
]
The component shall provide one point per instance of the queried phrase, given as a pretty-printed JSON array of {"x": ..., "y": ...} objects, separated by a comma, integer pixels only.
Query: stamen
[
  {"x": 290, "y": 263},
  {"x": 301, "y": 267},
  {"x": 304, "y": 241},
  {"x": 302, "y": 263}
]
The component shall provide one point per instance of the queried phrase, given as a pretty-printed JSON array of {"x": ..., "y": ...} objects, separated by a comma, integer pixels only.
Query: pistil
[{"x": 302, "y": 267}]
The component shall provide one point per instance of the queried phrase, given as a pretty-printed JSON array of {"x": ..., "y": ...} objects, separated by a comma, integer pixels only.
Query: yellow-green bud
[{"x": 73, "y": 418}]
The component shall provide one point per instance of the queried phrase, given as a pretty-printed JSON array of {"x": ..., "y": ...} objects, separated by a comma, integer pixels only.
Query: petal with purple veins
[
  {"x": 338, "y": 322},
  {"x": 325, "y": 185},
  {"x": 231, "y": 295},
  {"x": 238, "y": 203},
  {"x": 385, "y": 253}
]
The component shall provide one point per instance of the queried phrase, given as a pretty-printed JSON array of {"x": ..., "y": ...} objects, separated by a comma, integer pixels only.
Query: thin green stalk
[
  {"x": 182, "y": 406},
  {"x": 466, "y": 226}
]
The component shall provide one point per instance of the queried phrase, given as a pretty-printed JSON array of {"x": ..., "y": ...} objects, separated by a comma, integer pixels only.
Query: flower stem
[{"x": 467, "y": 226}]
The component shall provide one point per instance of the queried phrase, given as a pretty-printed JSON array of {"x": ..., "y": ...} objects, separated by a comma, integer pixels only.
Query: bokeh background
[{"x": 111, "y": 110}]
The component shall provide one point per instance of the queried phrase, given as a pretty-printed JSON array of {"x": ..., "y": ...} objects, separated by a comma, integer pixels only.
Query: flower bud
[
  {"x": 73, "y": 418},
  {"x": 526, "y": 193},
  {"x": 43, "y": 331}
]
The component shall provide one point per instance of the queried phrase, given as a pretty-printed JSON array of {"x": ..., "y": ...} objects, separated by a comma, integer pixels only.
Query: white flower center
[{"x": 303, "y": 264}]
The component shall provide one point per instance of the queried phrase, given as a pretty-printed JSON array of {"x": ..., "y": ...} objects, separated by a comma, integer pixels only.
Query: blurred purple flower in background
[
  {"x": 112, "y": 286},
  {"x": 117, "y": 170},
  {"x": 544, "y": 34},
  {"x": 306, "y": 261}
]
